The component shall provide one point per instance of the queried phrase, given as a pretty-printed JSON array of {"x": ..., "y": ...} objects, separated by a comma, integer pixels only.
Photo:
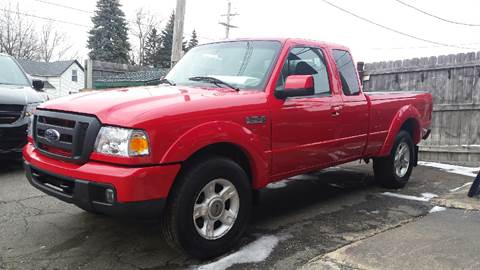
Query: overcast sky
[{"x": 312, "y": 19}]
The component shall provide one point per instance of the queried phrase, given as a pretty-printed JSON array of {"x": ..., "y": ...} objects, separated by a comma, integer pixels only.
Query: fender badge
[{"x": 256, "y": 119}]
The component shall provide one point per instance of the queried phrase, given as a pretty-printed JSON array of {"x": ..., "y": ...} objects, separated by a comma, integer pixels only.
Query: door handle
[{"x": 336, "y": 110}]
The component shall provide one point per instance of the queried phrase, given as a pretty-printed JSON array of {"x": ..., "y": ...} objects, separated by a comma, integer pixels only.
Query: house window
[{"x": 74, "y": 76}]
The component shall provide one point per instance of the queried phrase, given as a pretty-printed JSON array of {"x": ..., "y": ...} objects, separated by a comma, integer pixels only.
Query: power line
[
  {"x": 207, "y": 38},
  {"x": 64, "y": 6},
  {"x": 435, "y": 16},
  {"x": 394, "y": 30},
  {"x": 78, "y": 9},
  {"x": 417, "y": 47},
  {"x": 67, "y": 22},
  {"x": 44, "y": 18}
]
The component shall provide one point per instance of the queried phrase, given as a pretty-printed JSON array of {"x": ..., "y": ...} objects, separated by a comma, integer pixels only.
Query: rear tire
[
  {"x": 394, "y": 170},
  {"x": 209, "y": 208}
]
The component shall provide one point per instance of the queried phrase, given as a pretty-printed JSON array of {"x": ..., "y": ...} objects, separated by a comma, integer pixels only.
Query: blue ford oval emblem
[{"x": 52, "y": 135}]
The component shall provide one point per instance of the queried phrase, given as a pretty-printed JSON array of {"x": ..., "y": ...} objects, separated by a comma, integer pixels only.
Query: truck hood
[
  {"x": 18, "y": 95},
  {"x": 131, "y": 106}
]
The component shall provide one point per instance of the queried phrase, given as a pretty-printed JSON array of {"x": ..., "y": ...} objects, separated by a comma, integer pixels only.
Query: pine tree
[
  {"x": 193, "y": 42},
  {"x": 108, "y": 40},
  {"x": 167, "y": 42},
  {"x": 152, "y": 49}
]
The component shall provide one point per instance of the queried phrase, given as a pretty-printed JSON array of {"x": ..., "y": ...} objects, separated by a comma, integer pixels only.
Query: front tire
[
  {"x": 394, "y": 170},
  {"x": 209, "y": 208}
]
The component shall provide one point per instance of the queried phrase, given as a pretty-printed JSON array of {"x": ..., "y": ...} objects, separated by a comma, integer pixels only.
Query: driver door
[{"x": 304, "y": 128}]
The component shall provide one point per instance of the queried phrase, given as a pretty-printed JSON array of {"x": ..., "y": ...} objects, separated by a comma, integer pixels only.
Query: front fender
[
  {"x": 405, "y": 113},
  {"x": 214, "y": 132}
]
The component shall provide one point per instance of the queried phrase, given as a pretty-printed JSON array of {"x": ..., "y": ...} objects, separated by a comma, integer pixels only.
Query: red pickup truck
[{"x": 229, "y": 118}]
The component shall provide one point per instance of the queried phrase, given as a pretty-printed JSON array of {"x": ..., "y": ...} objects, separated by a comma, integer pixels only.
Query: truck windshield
[
  {"x": 241, "y": 64},
  {"x": 10, "y": 73}
]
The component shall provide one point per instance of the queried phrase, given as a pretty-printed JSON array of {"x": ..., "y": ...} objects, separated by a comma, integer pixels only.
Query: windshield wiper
[
  {"x": 166, "y": 81},
  {"x": 213, "y": 80}
]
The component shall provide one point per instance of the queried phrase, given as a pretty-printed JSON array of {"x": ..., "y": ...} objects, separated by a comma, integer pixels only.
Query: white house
[{"x": 61, "y": 78}]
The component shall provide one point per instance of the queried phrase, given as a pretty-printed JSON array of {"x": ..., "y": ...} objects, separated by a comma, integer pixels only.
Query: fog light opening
[{"x": 109, "y": 195}]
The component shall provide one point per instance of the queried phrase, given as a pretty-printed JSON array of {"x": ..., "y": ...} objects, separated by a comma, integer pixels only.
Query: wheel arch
[
  {"x": 408, "y": 119},
  {"x": 228, "y": 150},
  {"x": 226, "y": 139},
  {"x": 412, "y": 126}
]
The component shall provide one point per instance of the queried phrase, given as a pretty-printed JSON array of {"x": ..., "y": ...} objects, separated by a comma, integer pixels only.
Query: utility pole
[
  {"x": 229, "y": 16},
  {"x": 177, "y": 50}
]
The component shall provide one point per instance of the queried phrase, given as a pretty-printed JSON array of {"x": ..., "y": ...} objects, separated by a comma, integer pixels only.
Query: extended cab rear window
[{"x": 348, "y": 74}]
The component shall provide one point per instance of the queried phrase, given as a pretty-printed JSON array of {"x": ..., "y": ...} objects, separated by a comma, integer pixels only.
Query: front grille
[
  {"x": 10, "y": 113},
  {"x": 65, "y": 136}
]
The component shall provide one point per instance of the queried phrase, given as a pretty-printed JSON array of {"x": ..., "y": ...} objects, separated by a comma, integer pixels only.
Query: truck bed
[{"x": 385, "y": 108}]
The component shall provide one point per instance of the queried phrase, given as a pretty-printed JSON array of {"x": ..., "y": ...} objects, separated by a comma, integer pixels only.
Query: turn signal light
[{"x": 138, "y": 145}]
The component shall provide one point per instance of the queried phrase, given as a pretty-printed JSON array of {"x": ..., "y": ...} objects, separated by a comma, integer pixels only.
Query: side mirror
[
  {"x": 38, "y": 85},
  {"x": 297, "y": 86}
]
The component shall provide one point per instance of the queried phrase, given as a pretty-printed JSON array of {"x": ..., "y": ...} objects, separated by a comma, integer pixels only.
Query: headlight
[{"x": 122, "y": 142}]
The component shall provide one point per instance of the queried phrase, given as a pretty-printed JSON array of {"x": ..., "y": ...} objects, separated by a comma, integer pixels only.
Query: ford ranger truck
[{"x": 228, "y": 119}]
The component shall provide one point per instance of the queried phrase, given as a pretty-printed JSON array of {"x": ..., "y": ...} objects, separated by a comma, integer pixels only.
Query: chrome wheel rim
[
  {"x": 215, "y": 209},
  {"x": 402, "y": 159}
]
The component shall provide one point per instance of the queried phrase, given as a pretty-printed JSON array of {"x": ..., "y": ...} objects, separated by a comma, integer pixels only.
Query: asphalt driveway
[{"x": 296, "y": 224}]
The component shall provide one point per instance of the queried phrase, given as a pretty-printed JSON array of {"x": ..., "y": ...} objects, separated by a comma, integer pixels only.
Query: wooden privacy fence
[{"x": 453, "y": 80}]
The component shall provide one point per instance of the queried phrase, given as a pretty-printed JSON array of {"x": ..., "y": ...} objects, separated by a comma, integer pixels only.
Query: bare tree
[
  {"x": 17, "y": 35},
  {"x": 142, "y": 26},
  {"x": 53, "y": 44}
]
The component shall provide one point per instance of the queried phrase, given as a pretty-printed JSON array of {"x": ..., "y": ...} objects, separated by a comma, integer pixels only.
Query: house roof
[
  {"x": 52, "y": 69},
  {"x": 137, "y": 76}
]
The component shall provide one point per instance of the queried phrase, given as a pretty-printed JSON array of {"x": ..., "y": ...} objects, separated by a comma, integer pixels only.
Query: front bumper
[{"x": 138, "y": 191}]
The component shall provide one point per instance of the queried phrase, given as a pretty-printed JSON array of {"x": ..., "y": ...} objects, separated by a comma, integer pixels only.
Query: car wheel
[
  {"x": 209, "y": 208},
  {"x": 394, "y": 170}
]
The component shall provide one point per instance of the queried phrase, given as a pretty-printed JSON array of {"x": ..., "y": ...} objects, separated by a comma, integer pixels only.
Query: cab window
[
  {"x": 306, "y": 61},
  {"x": 347, "y": 72}
]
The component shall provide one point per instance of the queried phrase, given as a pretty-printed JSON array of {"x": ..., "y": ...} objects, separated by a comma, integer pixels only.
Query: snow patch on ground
[
  {"x": 375, "y": 212},
  {"x": 429, "y": 196},
  {"x": 255, "y": 252},
  {"x": 437, "y": 209},
  {"x": 335, "y": 185},
  {"x": 425, "y": 196},
  {"x": 333, "y": 169},
  {"x": 467, "y": 171},
  {"x": 304, "y": 177},
  {"x": 283, "y": 183},
  {"x": 460, "y": 187},
  {"x": 277, "y": 185}
]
